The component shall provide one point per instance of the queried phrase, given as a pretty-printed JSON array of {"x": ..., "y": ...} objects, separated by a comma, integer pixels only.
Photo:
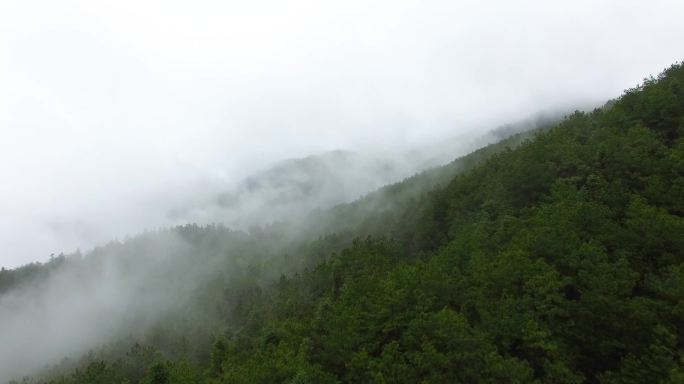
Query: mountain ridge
[{"x": 555, "y": 257}]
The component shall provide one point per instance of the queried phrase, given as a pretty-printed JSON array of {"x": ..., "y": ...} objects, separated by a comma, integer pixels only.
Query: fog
[
  {"x": 165, "y": 282},
  {"x": 117, "y": 292},
  {"x": 115, "y": 113},
  {"x": 121, "y": 116}
]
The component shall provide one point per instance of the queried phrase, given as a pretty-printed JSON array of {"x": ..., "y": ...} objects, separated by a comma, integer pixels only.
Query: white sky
[{"x": 111, "y": 111}]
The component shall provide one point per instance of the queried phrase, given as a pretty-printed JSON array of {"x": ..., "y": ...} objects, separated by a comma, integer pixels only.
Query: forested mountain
[
  {"x": 556, "y": 256},
  {"x": 290, "y": 189}
]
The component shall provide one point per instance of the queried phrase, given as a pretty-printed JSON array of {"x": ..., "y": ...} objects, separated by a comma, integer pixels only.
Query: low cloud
[{"x": 113, "y": 114}]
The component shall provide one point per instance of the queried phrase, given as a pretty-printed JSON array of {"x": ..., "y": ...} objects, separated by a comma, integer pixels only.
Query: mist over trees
[
  {"x": 127, "y": 289},
  {"x": 555, "y": 255}
]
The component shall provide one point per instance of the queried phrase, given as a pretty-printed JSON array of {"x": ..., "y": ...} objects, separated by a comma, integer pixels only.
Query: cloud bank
[{"x": 114, "y": 113}]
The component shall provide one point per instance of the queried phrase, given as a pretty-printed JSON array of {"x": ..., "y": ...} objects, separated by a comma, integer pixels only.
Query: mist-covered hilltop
[
  {"x": 294, "y": 187},
  {"x": 290, "y": 189},
  {"x": 171, "y": 280},
  {"x": 552, "y": 256}
]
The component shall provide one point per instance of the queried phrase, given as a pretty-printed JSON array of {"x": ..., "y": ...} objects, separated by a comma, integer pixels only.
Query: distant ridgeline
[{"x": 552, "y": 257}]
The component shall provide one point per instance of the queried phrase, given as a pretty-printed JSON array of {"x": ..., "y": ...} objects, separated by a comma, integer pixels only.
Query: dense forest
[{"x": 555, "y": 256}]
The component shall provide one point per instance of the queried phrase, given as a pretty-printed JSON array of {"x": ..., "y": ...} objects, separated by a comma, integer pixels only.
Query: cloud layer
[{"x": 112, "y": 113}]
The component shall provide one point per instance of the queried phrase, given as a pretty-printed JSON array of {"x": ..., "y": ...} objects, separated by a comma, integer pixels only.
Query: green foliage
[{"x": 559, "y": 261}]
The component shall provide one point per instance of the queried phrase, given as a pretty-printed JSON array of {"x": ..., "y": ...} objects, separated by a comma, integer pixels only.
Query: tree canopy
[{"x": 551, "y": 258}]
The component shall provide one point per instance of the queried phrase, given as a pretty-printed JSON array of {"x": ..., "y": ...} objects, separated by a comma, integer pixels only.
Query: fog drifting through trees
[{"x": 175, "y": 168}]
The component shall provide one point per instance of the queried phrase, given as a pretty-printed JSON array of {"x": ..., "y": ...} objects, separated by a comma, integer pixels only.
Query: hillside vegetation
[{"x": 556, "y": 259}]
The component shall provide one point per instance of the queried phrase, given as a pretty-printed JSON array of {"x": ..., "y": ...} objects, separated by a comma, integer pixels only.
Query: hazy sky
[{"x": 112, "y": 111}]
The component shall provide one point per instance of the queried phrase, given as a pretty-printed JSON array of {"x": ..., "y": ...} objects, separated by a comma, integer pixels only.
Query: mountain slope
[
  {"x": 289, "y": 190},
  {"x": 560, "y": 260},
  {"x": 184, "y": 285}
]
